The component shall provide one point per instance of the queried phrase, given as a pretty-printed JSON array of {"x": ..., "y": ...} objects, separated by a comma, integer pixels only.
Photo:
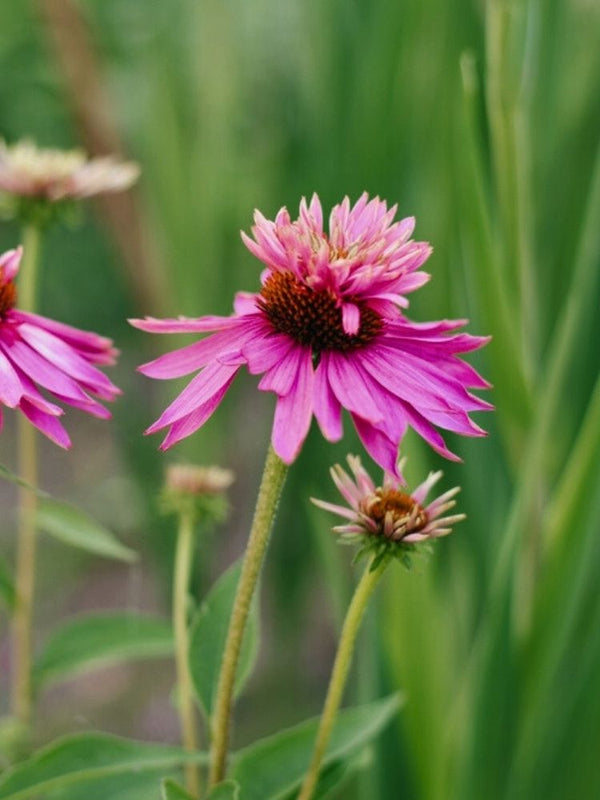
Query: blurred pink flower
[
  {"x": 387, "y": 512},
  {"x": 326, "y": 332},
  {"x": 36, "y": 352},
  {"x": 30, "y": 171}
]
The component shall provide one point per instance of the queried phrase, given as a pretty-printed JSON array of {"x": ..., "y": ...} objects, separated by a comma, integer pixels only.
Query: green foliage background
[{"x": 481, "y": 119}]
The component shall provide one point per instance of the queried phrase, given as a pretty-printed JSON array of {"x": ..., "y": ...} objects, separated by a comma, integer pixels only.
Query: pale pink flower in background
[
  {"x": 388, "y": 512},
  {"x": 37, "y": 353},
  {"x": 326, "y": 332},
  {"x": 30, "y": 171}
]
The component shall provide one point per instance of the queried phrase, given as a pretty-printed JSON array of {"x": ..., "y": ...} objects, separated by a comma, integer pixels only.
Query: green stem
[
  {"x": 29, "y": 268},
  {"x": 26, "y": 539},
  {"x": 266, "y": 506},
  {"x": 183, "y": 563},
  {"x": 341, "y": 666}
]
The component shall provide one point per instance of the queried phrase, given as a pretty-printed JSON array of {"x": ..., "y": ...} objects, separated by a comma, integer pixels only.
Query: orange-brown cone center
[{"x": 313, "y": 317}]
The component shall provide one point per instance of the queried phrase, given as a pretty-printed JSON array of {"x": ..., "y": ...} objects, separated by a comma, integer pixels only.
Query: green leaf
[
  {"x": 228, "y": 790},
  {"x": 9, "y": 475},
  {"x": 171, "y": 790},
  {"x": 74, "y": 527},
  {"x": 7, "y": 587},
  {"x": 73, "y": 760},
  {"x": 86, "y": 642},
  {"x": 126, "y": 786},
  {"x": 272, "y": 768},
  {"x": 207, "y": 639}
]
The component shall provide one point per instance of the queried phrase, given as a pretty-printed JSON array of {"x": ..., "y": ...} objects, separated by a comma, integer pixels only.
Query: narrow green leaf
[
  {"x": 85, "y": 757},
  {"x": 74, "y": 527},
  {"x": 86, "y": 642},
  {"x": 9, "y": 475},
  {"x": 272, "y": 768},
  {"x": 171, "y": 790},
  {"x": 228, "y": 790},
  {"x": 7, "y": 587},
  {"x": 207, "y": 639}
]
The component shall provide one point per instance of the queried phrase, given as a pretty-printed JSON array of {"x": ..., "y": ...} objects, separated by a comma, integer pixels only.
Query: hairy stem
[
  {"x": 187, "y": 716},
  {"x": 26, "y": 538},
  {"x": 339, "y": 674},
  {"x": 266, "y": 506}
]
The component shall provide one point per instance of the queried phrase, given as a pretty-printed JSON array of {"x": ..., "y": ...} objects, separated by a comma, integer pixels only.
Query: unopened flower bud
[{"x": 196, "y": 490}]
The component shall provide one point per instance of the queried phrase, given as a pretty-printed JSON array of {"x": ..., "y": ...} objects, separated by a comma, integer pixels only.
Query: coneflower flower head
[
  {"x": 387, "y": 520},
  {"x": 326, "y": 331},
  {"x": 42, "y": 181},
  {"x": 38, "y": 354},
  {"x": 57, "y": 174}
]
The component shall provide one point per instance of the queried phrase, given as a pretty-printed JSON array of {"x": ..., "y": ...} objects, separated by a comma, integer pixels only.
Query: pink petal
[
  {"x": 35, "y": 398},
  {"x": 282, "y": 377},
  {"x": 418, "y": 381},
  {"x": 190, "y": 424},
  {"x": 200, "y": 390},
  {"x": 9, "y": 264},
  {"x": 293, "y": 412},
  {"x": 192, "y": 357},
  {"x": 47, "y": 424},
  {"x": 10, "y": 385},
  {"x": 41, "y": 371},
  {"x": 327, "y": 408},
  {"x": 429, "y": 433},
  {"x": 266, "y": 349},
  {"x": 381, "y": 449},
  {"x": 350, "y": 318},
  {"x": 245, "y": 303},
  {"x": 343, "y": 511},
  {"x": 348, "y": 383},
  {"x": 99, "y": 348},
  {"x": 89, "y": 405},
  {"x": 66, "y": 359},
  {"x": 184, "y": 324}
]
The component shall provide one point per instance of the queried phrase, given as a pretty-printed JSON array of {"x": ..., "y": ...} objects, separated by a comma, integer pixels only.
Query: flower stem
[
  {"x": 341, "y": 666},
  {"x": 266, "y": 506},
  {"x": 29, "y": 268},
  {"x": 26, "y": 540},
  {"x": 183, "y": 563}
]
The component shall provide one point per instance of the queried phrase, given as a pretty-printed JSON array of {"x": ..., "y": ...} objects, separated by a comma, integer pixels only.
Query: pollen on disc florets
[
  {"x": 8, "y": 297},
  {"x": 395, "y": 513},
  {"x": 313, "y": 317}
]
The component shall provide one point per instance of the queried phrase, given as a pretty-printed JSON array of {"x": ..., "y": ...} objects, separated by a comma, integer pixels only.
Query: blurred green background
[{"x": 482, "y": 120}]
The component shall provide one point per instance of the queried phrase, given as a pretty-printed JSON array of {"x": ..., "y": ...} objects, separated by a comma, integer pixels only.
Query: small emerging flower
[
  {"x": 326, "y": 333},
  {"x": 51, "y": 174},
  {"x": 386, "y": 519},
  {"x": 197, "y": 490},
  {"x": 38, "y": 353},
  {"x": 194, "y": 480}
]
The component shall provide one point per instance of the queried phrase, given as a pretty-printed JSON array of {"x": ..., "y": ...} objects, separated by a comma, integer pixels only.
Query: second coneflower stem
[
  {"x": 22, "y": 698},
  {"x": 341, "y": 666},
  {"x": 266, "y": 506},
  {"x": 184, "y": 554}
]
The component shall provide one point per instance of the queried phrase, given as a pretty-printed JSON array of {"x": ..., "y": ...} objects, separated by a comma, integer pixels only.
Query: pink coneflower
[
  {"x": 36, "y": 352},
  {"x": 30, "y": 171},
  {"x": 388, "y": 517},
  {"x": 326, "y": 332}
]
